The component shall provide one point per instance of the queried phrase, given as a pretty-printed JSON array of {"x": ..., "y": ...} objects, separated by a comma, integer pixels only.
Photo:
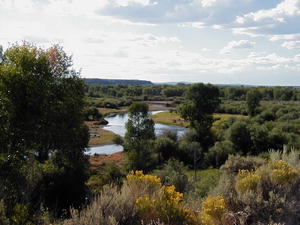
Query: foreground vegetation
[
  {"x": 220, "y": 172},
  {"x": 250, "y": 191}
]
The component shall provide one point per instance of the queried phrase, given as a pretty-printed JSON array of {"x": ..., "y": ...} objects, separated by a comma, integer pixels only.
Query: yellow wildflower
[
  {"x": 247, "y": 180},
  {"x": 282, "y": 172}
]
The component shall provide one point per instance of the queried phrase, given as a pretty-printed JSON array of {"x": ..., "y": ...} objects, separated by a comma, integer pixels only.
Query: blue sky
[{"x": 216, "y": 41}]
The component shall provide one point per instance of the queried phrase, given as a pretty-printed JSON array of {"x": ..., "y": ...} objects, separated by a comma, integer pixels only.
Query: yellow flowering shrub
[
  {"x": 282, "y": 172},
  {"x": 141, "y": 184},
  {"x": 171, "y": 196},
  {"x": 165, "y": 203},
  {"x": 140, "y": 177},
  {"x": 213, "y": 210},
  {"x": 247, "y": 180}
]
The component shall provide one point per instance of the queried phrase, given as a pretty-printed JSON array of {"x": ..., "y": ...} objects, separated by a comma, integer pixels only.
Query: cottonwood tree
[
  {"x": 139, "y": 133},
  {"x": 201, "y": 102},
  {"x": 45, "y": 133},
  {"x": 253, "y": 98}
]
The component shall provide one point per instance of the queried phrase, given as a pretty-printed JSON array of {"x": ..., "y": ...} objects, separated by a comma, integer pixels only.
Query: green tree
[
  {"x": 253, "y": 98},
  {"x": 139, "y": 133},
  {"x": 239, "y": 134},
  {"x": 45, "y": 128},
  {"x": 201, "y": 102},
  {"x": 166, "y": 148}
]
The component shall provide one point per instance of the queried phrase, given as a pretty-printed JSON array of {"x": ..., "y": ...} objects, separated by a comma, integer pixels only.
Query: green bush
[
  {"x": 218, "y": 154},
  {"x": 108, "y": 174},
  {"x": 267, "y": 192},
  {"x": 165, "y": 148},
  {"x": 174, "y": 173}
]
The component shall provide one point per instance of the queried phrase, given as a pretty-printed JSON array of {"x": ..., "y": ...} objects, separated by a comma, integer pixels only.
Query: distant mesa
[{"x": 90, "y": 81}]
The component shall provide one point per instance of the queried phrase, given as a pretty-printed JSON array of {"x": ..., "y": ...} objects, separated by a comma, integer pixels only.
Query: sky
[{"x": 212, "y": 41}]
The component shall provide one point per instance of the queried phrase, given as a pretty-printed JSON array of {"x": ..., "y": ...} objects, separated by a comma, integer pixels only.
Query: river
[{"x": 116, "y": 124}]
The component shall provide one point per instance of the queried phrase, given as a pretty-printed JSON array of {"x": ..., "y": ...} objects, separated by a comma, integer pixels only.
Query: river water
[{"x": 116, "y": 124}]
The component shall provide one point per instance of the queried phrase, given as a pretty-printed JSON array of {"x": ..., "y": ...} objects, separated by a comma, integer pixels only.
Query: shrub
[
  {"x": 165, "y": 148},
  {"x": 111, "y": 207},
  {"x": 236, "y": 163},
  {"x": 116, "y": 205},
  {"x": 282, "y": 172},
  {"x": 247, "y": 181},
  {"x": 108, "y": 174},
  {"x": 213, "y": 210},
  {"x": 165, "y": 206},
  {"x": 158, "y": 202},
  {"x": 218, "y": 154},
  {"x": 174, "y": 173},
  {"x": 239, "y": 134},
  {"x": 118, "y": 140},
  {"x": 266, "y": 192}
]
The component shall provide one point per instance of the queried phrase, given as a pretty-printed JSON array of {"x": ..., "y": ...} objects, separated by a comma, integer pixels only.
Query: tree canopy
[
  {"x": 201, "y": 102},
  {"x": 140, "y": 132},
  {"x": 42, "y": 130},
  {"x": 253, "y": 98}
]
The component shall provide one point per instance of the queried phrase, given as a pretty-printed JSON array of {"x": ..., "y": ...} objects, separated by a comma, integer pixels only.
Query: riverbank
[
  {"x": 153, "y": 106},
  {"x": 99, "y": 136},
  {"x": 109, "y": 111}
]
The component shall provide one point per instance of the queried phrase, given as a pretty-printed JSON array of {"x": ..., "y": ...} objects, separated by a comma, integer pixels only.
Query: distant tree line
[{"x": 169, "y": 92}]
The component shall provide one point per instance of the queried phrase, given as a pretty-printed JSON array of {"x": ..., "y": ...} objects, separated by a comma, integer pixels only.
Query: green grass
[
  {"x": 172, "y": 118},
  {"x": 206, "y": 180},
  {"x": 169, "y": 118},
  {"x": 227, "y": 116}
]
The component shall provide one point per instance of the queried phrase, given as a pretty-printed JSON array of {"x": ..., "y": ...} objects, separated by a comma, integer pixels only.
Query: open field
[
  {"x": 169, "y": 118},
  {"x": 172, "y": 118}
]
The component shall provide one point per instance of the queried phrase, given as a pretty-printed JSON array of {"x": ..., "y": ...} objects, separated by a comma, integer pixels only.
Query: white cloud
[
  {"x": 209, "y": 12},
  {"x": 242, "y": 44},
  {"x": 285, "y": 37},
  {"x": 291, "y": 44},
  {"x": 208, "y": 3},
  {"x": 277, "y": 23},
  {"x": 109, "y": 38},
  {"x": 287, "y": 8},
  {"x": 125, "y": 3}
]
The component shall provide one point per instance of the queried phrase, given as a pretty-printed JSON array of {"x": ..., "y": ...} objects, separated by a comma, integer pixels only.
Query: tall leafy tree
[
  {"x": 140, "y": 132},
  {"x": 253, "y": 98},
  {"x": 45, "y": 123},
  {"x": 201, "y": 102}
]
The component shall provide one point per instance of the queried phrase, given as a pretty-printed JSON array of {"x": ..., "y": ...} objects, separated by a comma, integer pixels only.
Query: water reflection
[
  {"x": 105, "y": 149},
  {"x": 116, "y": 124}
]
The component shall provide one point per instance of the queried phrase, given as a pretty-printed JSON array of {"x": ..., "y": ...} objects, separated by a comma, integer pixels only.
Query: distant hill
[{"x": 116, "y": 81}]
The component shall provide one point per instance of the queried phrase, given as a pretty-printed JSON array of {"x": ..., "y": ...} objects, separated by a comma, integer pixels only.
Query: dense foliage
[
  {"x": 137, "y": 141},
  {"x": 44, "y": 172},
  {"x": 43, "y": 138},
  {"x": 250, "y": 191}
]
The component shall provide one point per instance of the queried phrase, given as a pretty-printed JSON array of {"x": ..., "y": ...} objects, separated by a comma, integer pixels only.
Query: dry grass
[
  {"x": 99, "y": 160},
  {"x": 107, "y": 111},
  {"x": 99, "y": 136},
  {"x": 104, "y": 137}
]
